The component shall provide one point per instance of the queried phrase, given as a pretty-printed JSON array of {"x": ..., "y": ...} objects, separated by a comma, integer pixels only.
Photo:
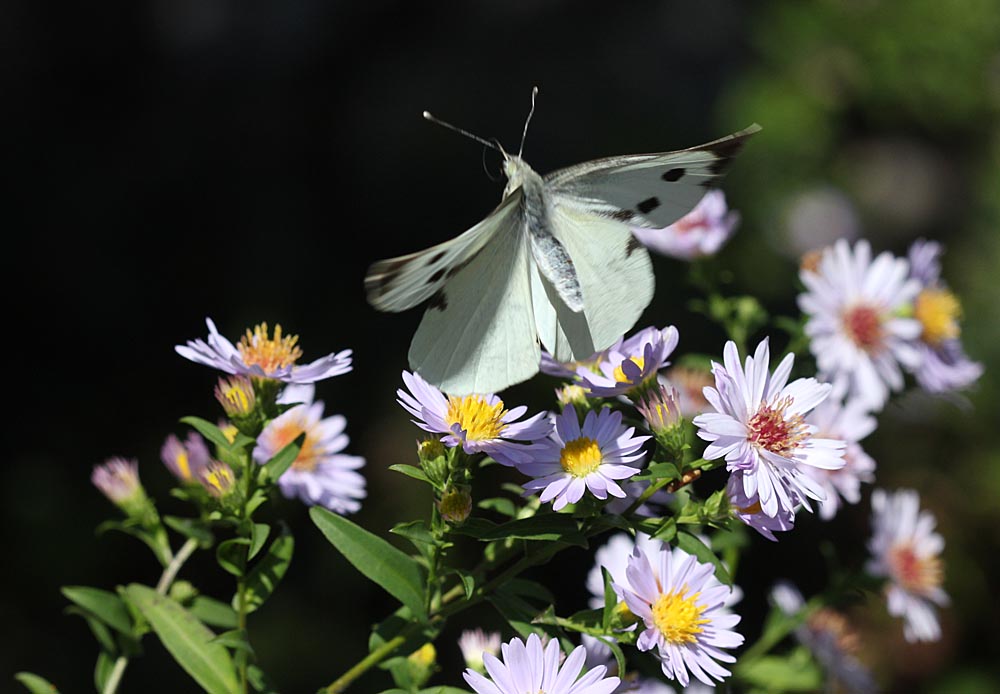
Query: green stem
[
  {"x": 373, "y": 658},
  {"x": 174, "y": 565},
  {"x": 111, "y": 686},
  {"x": 241, "y": 605}
]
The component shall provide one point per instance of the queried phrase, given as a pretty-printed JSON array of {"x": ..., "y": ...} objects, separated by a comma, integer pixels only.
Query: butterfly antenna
[
  {"x": 449, "y": 126},
  {"x": 534, "y": 93}
]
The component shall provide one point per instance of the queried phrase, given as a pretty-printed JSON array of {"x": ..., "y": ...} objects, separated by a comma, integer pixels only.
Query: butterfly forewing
[
  {"x": 400, "y": 283},
  {"x": 648, "y": 190},
  {"x": 478, "y": 333}
]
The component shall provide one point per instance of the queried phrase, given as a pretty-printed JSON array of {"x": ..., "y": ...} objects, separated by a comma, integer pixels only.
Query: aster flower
[
  {"x": 592, "y": 457},
  {"x": 635, "y": 362},
  {"x": 856, "y": 326},
  {"x": 747, "y": 509},
  {"x": 682, "y": 606},
  {"x": 118, "y": 479},
  {"x": 186, "y": 460},
  {"x": 906, "y": 550},
  {"x": 850, "y": 422},
  {"x": 549, "y": 365},
  {"x": 260, "y": 355},
  {"x": 829, "y": 637},
  {"x": 474, "y": 643},
  {"x": 320, "y": 474},
  {"x": 614, "y": 556},
  {"x": 759, "y": 428},
  {"x": 699, "y": 233},
  {"x": 943, "y": 366},
  {"x": 526, "y": 667},
  {"x": 479, "y": 423}
]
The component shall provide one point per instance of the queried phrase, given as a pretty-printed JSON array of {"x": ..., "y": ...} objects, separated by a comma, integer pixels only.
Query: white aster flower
[
  {"x": 474, "y": 643},
  {"x": 528, "y": 669},
  {"x": 857, "y": 329},
  {"x": 759, "y": 427},
  {"x": 261, "y": 355},
  {"x": 682, "y": 606},
  {"x": 320, "y": 474},
  {"x": 906, "y": 550},
  {"x": 592, "y": 457}
]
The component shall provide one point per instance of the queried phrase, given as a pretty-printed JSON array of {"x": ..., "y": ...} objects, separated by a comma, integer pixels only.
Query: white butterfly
[{"x": 554, "y": 265}]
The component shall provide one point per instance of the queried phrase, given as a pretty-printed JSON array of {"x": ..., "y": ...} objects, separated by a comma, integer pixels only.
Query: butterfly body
[{"x": 555, "y": 265}]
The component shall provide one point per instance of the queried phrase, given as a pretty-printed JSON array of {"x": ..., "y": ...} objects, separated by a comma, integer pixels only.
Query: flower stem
[
  {"x": 373, "y": 658},
  {"x": 111, "y": 686},
  {"x": 175, "y": 564}
]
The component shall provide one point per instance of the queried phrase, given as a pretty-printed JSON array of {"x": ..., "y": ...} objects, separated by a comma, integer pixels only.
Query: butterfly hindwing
[
  {"x": 478, "y": 332},
  {"x": 648, "y": 190},
  {"x": 401, "y": 283}
]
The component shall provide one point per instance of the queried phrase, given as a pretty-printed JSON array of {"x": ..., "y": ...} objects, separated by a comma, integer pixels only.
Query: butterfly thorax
[{"x": 520, "y": 175}]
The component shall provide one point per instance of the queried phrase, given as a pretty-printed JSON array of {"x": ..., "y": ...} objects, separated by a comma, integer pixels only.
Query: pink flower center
[
  {"x": 864, "y": 325},
  {"x": 309, "y": 455},
  {"x": 915, "y": 573},
  {"x": 771, "y": 429}
]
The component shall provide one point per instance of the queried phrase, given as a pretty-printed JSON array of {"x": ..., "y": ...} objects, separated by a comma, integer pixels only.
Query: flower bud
[
  {"x": 455, "y": 504},
  {"x": 218, "y": 479},
  {"x": 118, "y": 480},
  {"x": 420, "y": 664},
  {"x": 572, "y": 394},
  {"x": 236, "y": 395}
]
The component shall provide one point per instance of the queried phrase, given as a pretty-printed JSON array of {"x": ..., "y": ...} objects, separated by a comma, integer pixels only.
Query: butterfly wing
[
  {"x": 648, "y": 190},
  {"x": 478, "y": 333},
  {"x": 615, "y": 277},
  {"x": 400, "y": 283}
]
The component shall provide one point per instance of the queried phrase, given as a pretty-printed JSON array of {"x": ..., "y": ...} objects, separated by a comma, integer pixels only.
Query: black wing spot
[
  {"x": 439, "y": 301},
  {"x": 436, "y": 276},
  {"x": 436, "y": 257},
  {"x": 648, "y": 205},
  {"x": 672, "y": 175},
  {"x": 632, "y": 246}
]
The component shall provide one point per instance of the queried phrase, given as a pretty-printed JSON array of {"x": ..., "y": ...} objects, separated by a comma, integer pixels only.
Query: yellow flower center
[
  {"x": 268, "y": 353},
  {"x": 620, "y": 373},
  {"x": 230, "y": 431},
  {"x": 476, "y": 417},
  {"x": 184, "y": 466},
  {"x": 915, "y": 573},
  {"x": 581, "y": 456},
  {"x": 938, "y": 311},
  {"x": 219, "y": 479},
  {"x": 678, "y": 616}
]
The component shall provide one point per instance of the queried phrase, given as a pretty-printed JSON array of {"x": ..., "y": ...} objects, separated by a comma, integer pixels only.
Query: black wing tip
[{"x": 726, "y": 148}]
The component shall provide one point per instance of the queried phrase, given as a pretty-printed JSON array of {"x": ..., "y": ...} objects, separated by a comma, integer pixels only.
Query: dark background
[{"x": 247, "y": 161}]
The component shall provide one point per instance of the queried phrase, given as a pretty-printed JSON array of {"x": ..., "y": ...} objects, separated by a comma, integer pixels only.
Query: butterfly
[{"x": 555, "y": 265}]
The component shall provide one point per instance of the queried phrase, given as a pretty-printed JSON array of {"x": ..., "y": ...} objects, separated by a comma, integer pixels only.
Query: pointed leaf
[
  {"x": 284, "y": 458},
  {"x": 387, "y": 566},
  {"x": 261, "y": 531},
  {"x": 209, "y": 431},
  {"x": 102, "y": 670},
  {"x": 214, "y": 612},
  {"x": 411, "y": 471},
  {"x": 265, "y": 575},
  {"x": 103, "y": 605},
  {"x": 692, "y": 545},
  {"x": 231, "y": 555},
  {"x": 36, "y": 684},
  {"x": 187, "y": 640}
]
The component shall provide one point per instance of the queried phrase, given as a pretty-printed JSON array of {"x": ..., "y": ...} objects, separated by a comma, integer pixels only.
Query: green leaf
[
  {"x": 616, "y": 650},
  {"x": 101, "y": 632},
  {"x": 795, "y": 673},
  {"x": 265, "y": 575},
  {"x": 666, "y": 531},
  {"x": 103, "y": 605},
  {"x": 35, "y": 684},
  {"x": 214, "y": 612},
  {"x": 658, "y": 471},
  {"x": 236, "y": 639},
  {"x": 284, "y": 458},
  {"x": 468, "y": 582},
  {"x": 411, "y": 471},
  {"x": 387, "y": 566},
  {"x": 443, "y": 689},
  {"x": 258, "y": 537},
  {"x": 187, "y": 640},
  {"x": 417, "y": 533},
  {"x": 692, "y": 545},
  {"x": 231, "y": 555},
  {"x": 102, "y": 670},
  {"x": 209, "y": 431},
  {"x": 259, "y": 681},
  {"x": 552, "y": 527},
  {"x": 500, "y": 504},
  {"x": 191, "y": 527},
  {"x": 610, "y": 601}
]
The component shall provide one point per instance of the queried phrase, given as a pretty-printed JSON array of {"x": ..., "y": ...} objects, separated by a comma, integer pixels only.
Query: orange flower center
[
  {"x": 257, "y": 348},
  {"x": 915, "y": 573}
]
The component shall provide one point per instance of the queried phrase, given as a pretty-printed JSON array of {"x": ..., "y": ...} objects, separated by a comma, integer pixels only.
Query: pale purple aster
[
  {"x": 186, "y": 460},
  {"x": 118, "y": 479},
  {"x": 856, "y": 327},
  {"x": 479, "y": 423},
  {"x": 748, "y": 510},
  {"x": 576, "y": 458},
  {"x": 549, "y": 365},
  {"x": 850, "y": 422},
  {"x": 528, "y": 668},
  {"x": 636, "y": 361},
  {"x": 699, "y": 233},
  {"x": 599, "y": 653},
  {"x": 261, "y": 355},
  {"x": 682, "y": 605},
  {"x": 944, "y": 366},
  {"x": 320, "y": 474},
  {"x": 474, "y": 643},
  {"x": 906, "y": 550},
  {"x": 759, "y": 427},
  {"x": 829, "y": 637}
]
